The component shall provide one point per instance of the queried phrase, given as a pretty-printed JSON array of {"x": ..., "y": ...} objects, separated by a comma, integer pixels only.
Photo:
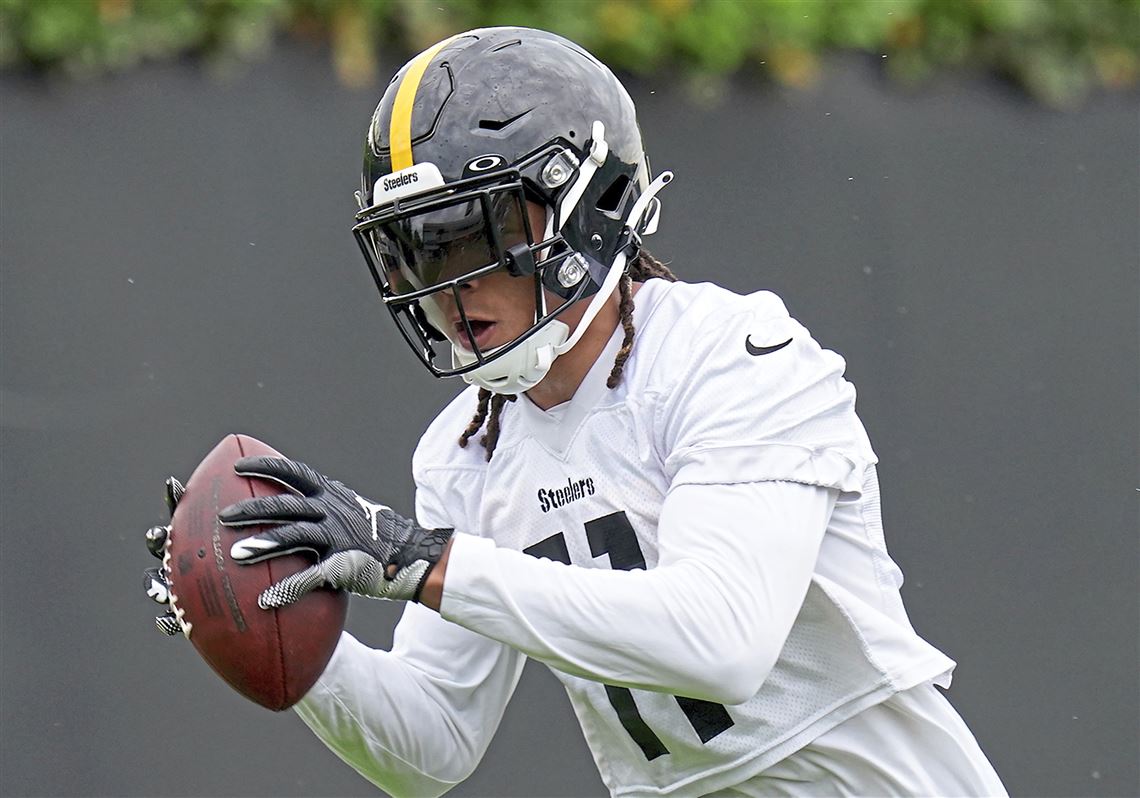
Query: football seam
[{"x": 276, "y": 619}]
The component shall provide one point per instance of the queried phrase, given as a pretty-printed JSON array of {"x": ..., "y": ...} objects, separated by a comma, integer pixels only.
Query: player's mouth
[{"x": 483, "y": 334}]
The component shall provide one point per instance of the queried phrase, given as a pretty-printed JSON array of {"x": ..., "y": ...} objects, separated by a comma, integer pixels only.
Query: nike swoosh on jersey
[{"x": 756, "y": 351}]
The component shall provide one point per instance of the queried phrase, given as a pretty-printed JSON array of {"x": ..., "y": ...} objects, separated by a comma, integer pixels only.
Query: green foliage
[{"x": 1058, "y": 50}]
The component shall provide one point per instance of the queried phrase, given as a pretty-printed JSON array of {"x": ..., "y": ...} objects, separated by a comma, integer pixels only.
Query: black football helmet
[{"x": 466, "y": 133}]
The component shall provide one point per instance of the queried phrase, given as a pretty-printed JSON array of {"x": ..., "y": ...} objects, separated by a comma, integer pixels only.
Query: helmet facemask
[{"x": 424, "y": 246}]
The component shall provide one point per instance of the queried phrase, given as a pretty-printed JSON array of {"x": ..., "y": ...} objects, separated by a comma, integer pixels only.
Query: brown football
[{"x": 271, "y": 657}]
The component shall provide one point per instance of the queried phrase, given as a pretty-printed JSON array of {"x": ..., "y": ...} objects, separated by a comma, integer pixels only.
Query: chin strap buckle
[
  {"x": 599, "y": 147},
  {"x": 599, "y": 151}
]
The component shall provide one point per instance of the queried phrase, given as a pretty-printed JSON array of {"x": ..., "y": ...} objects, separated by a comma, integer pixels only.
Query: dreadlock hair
[{"x": 643, "y": 267}]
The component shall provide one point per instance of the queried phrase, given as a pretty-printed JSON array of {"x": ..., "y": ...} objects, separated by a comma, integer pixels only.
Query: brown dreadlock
[{"x": 644, "y": 267}]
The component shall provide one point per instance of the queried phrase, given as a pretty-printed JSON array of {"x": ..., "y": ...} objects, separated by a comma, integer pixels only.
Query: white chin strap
[
  {"x": 525, "y": 366},
  {"x": 520, "y": 369}
]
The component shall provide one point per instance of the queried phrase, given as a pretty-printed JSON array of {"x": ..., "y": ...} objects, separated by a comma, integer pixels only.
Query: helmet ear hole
[{"x": 615, "y": 197}]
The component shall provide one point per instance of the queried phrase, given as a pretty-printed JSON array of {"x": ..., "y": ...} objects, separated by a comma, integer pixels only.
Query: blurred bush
[{"x": 1057, "y": 50}]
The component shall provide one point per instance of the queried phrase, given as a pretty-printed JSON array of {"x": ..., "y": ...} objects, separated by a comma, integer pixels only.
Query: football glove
[
  {"x": 364, "y": 547},
  {"x": 155, "y": 581}
]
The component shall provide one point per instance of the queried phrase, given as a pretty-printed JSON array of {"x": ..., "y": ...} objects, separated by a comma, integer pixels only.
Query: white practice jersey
[{"x": 633, "y": 539}]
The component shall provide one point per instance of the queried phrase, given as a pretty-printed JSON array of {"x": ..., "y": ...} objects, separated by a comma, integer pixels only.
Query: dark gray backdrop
[{"x": 177, "y": 265}]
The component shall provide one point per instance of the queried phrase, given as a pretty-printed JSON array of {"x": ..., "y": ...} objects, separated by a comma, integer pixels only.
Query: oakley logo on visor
[{"x": 413, "y": 180}]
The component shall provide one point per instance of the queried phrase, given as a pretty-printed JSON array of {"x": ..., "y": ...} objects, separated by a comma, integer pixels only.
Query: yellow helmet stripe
[{"x": 400, "y": 130}]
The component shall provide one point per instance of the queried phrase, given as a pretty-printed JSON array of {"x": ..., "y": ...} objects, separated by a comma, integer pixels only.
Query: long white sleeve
[
  {"x": 708, "y": 622},
  {"x": 414, "y": 721}
]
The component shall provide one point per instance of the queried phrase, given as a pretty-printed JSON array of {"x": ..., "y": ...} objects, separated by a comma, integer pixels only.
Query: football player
[{"x": 660, "y": 490}]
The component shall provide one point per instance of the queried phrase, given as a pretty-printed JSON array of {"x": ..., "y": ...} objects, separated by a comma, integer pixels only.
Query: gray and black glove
[
  {"x": 364, "y": 547},
  {"x": 157, "y": 587}
]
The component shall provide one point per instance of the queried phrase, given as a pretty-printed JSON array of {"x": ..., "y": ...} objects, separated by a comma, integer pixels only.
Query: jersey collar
[{"x": 556, "y": 428}]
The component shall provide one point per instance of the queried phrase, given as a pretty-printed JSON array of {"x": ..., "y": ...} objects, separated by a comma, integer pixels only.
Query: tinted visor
[{"x": 449, "y": 239}]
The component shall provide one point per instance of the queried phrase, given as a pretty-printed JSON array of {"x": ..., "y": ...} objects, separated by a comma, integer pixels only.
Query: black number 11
[{"x": 613, "y": 534}]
